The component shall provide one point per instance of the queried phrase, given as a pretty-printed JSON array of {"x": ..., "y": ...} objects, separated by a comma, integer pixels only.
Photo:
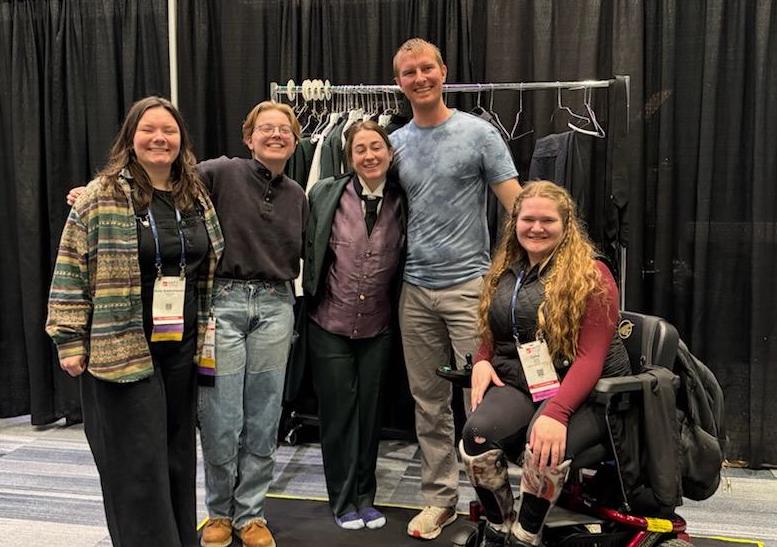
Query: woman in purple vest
[{"x": 354, "y": 248}]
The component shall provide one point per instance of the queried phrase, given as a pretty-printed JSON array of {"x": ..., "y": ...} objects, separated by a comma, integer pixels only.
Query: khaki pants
[{"x": 432, "y": 321}]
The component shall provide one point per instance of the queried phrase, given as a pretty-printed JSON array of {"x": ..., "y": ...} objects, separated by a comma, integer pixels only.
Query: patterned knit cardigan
[{"x": 94, "y": 304}]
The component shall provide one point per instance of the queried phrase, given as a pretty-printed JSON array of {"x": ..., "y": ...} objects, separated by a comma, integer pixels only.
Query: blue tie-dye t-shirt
[{"x": 445, "y": 171}]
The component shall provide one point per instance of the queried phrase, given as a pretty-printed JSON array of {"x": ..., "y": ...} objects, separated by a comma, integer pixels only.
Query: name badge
[
  {"x": 538, "y": 369},
  {"x": 167, "y": 309},
  {"x": 208, "y": 358}
]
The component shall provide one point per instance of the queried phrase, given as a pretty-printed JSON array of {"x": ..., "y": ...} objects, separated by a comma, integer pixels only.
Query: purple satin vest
[{"x": 357, "y": 294}]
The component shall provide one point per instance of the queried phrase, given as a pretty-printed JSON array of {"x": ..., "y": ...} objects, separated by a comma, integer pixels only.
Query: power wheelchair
[{"x": 596, "y": 507}]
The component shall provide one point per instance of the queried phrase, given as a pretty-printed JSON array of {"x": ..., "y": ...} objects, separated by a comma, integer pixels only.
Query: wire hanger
[
  {"x": 477, "y": 110},
  {"x": 385, "y": 116},
  {"x": 497, "y": 122},
  {"x": 312, "y": 115},
  {"x": 583, "y": 121},
  {"x": 598, "y": 130},
  {"x": 513, "y": 136}
]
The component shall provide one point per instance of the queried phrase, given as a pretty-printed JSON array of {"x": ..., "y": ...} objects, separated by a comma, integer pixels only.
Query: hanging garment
[
  {"x": 332, "y": 151},
  {"x": 579, "y": 163},
  {"x": 298, "y": 166},
  {"x": 314, "y": 174}
]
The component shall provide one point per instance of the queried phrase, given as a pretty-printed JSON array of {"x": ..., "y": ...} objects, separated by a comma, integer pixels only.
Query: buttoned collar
[{"x": 266, "y": 174}]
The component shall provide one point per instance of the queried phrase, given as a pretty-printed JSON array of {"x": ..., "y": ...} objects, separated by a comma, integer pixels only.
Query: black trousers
[
  {"x": 348, "y": 375},
  {"x": 142, "y": 437},
  {"x": 504, "y": 419}
]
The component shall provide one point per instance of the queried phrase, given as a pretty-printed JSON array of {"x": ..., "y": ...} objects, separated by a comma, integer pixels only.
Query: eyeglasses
[{"x": 268, "y": 129}]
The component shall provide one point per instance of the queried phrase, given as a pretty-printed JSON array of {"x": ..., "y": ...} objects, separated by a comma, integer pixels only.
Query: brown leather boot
[
  {"x": 256, "y": 534},
  {"x": 217, "y": 533}
]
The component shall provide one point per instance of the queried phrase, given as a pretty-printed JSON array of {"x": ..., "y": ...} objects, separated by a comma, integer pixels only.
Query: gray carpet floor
[{"x": 50, "y": 491}]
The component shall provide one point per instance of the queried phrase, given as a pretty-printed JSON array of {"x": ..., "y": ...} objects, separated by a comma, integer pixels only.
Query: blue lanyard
[
  {"x": 518, "y": 284},
  {"x": 155, "y": 232}
]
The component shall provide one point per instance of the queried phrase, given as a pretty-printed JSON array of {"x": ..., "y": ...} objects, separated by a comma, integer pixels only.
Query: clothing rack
[
  {"x": 318, "y": 90},
  {"x": 292, "y": 90}
]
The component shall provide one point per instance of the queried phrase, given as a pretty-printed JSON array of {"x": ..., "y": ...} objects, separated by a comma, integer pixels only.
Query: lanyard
[
  {"x": 155, "y": 232},
  {"x": 518, "y": 284}
]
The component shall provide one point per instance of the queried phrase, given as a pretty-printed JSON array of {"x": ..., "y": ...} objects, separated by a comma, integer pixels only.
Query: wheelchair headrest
[{"x": 649, "y": 340}]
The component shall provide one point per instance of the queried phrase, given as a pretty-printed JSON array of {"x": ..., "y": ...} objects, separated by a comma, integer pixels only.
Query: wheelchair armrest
[
  {"x": 606, "y": 388},
  {"x": 458, "y": 377},
  {"x": 618, "y": 384}
]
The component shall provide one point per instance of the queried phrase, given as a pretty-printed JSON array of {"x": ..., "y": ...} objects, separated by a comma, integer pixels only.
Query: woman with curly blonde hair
[{"x": 548, "y": 318}]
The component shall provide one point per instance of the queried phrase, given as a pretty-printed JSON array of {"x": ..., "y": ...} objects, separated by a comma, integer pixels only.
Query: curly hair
[
  {"x": 186, "y": 183},
  {"x": 573, "y": 276}
]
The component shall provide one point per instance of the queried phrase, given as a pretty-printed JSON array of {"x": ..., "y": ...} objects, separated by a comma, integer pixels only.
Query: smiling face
[
  {"x": 370, "y": 156},
  {"x": 420, "y": 76},
  {"x": 157, "y": 139},
  {"x": 539, "y": 228},
  {"x": 272, "y": 141}
]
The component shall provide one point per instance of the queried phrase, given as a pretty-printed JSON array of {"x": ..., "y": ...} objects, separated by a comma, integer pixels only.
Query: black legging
[{"x": 502, "y": 421}]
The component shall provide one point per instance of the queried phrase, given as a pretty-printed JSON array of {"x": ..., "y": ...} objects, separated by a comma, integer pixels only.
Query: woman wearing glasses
[{"x": 263, "y": 215}]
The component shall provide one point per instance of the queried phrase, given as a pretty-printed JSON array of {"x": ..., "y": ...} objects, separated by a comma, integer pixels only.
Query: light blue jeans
[{"x": 239, "y": 416}]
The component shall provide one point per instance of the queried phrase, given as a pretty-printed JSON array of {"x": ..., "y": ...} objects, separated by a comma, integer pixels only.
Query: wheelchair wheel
[{"x": 675, "y": 543}]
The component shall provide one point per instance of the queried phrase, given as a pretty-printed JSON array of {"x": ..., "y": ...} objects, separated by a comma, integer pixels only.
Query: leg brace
[
  {"x": 488, "y": 474},
  {"x": 539, "y": 492}
]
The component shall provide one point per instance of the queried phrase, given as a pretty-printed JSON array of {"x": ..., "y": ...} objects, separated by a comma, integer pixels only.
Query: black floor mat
[
  {"x": 303, "y": 523},
  {"x": 298, "y": 523}
]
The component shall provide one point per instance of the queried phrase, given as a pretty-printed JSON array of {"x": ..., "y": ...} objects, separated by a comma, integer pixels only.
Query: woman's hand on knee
[
  {"x": 548, "y": 442},
  {"x": 483, "y": 375}
]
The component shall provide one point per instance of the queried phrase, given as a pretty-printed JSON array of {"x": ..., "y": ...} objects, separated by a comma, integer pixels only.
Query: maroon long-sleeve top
[{"x": 594, "y": 339}]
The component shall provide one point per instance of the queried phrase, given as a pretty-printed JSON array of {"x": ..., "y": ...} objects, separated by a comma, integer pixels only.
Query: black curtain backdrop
[
  {"x": 698, "y": 158},
  {"x": 706, "y": 258},
  {"x": 70, "y": 71}
]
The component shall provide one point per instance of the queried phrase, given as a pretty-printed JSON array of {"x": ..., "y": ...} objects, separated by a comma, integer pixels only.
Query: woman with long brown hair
[
  {"x": 129, "y": 306},
  {"x": 548, "y": 318}
]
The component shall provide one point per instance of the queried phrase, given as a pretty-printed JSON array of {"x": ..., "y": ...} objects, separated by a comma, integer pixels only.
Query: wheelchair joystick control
[{"x": 458, "y": 376}]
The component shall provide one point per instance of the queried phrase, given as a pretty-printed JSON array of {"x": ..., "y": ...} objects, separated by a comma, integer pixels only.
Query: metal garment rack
[
  {"x": 277, "y": 90},
  {"x": 291, "y": 91}
]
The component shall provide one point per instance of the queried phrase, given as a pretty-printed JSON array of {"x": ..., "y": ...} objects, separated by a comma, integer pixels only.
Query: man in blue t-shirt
[{"x": 446, "y": 160}]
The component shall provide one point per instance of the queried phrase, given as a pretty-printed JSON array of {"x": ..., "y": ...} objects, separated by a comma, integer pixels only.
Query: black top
[
  {"x": 263, "y": 219},
  {"x": 532, "y": 292},
  {"x": 196, "y": 244}
]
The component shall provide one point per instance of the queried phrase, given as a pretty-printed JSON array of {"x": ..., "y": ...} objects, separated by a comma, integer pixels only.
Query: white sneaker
[{"x": 430, "y": 521}]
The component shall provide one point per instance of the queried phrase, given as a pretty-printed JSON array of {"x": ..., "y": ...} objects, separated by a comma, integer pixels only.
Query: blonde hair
[
  {"x": 248, "y": 123},
  {"x": 417, "y": 46},
  {"x": 572, "y": 278}
]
